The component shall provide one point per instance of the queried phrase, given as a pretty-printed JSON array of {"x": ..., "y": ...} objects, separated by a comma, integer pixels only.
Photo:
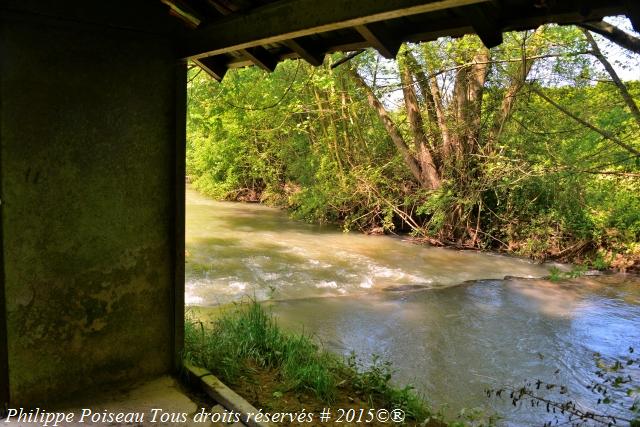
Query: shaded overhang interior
[{"x": 224, "y": 34}]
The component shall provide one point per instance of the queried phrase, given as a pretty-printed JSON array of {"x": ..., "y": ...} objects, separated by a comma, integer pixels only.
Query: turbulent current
[{"x": 447, "y": 320}]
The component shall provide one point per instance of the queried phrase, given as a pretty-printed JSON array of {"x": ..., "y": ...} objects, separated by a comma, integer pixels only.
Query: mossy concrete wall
[{"x": 89, "y": 114}]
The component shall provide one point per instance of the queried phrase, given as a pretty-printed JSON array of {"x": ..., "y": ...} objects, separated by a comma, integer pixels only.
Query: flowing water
[{"x": 446, "y": 319}]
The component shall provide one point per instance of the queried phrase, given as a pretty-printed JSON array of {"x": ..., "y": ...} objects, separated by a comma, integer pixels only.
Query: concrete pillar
[{"x": 91, "y": 184}]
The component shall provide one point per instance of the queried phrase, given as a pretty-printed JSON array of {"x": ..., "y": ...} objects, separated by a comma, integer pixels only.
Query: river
[{"x": 447, "y": 320}]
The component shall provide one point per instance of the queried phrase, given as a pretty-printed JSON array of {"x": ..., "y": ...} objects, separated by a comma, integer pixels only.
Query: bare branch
[
  {"x": 614, "y": 76},
  {"x": 508, "y": 101},
  {"x": 608, "y": 135},
  {"x": 614, "y": 34}
]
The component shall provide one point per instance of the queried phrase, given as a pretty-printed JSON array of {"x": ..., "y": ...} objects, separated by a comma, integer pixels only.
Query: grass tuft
[{"x": 247, "y": 337}]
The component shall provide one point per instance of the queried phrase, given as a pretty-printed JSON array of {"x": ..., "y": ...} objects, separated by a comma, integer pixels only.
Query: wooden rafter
[
  {"x": 221, "y": 6},
  {"x": 184, "y": 12},
  {"x": 291, "y": 19},
  {"x": 485, "y": 21},
  {"x": 261, "y": 57},
  {"x": 380, "y": 39},
  {"x": 263, "y": 35},
  {"x": 633, "y": 12},
  {"x": 305, "y": 51},
  {"x": 225, "y": 7},
  {"x": 423, "y": 28},
  {"x": 215, "y": 66}
]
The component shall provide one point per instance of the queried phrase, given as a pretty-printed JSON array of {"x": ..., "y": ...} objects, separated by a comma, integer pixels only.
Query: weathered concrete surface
[
  {"x": 227, "y": 398},
  {"x": 88, "y": 118}
]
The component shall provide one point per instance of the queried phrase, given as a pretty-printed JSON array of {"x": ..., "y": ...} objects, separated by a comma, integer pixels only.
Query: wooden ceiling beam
[
  {"x": 251, "y": 56},
  {"x": 215, "y": 66},
  {"x": 221, "y": 7},
  {"x": 183, "y": 11},
  {"x": 261, "y": 57},
  {"x": 485, "y": 20},
  {"x": 226, "y": 7},
  {"x": 380, "y": 39},
  {"x": 291, "y": 19},
  {"x": 562, "y": 15},
  {"x": 242, "y": 62},
  {"x": 347, "y": 47},
  {"x": 633, "y": 13},
  {"x": 305, "y": 51},
  {"x": 418, "y": 36},
  {"x": 425, "y": 29}
]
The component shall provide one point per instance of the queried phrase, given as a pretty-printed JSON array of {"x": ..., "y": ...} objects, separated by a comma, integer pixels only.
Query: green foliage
[
  {"x": 559, "y": 197},
  {"x": 319, "y": 152},
  {"x": 545, "y": 186}
]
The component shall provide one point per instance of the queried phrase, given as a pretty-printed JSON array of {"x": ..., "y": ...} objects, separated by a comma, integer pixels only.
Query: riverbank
[
  {"x": 608, "y": 253},
  {"x": 281, "y": 371}
]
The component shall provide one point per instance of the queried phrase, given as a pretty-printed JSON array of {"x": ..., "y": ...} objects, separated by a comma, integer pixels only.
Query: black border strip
[
  {"x": 4, "y": 341},
  {"x": 4, "y": 347}
]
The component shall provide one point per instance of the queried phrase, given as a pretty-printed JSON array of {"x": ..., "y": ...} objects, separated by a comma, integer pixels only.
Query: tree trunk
[
  {"x": 427, "y": 165},
  {"x": 392, "y": 129},
  {"x": 447, "y": 143},
  {"x": 423, "y": 84},
  {"x": 509, "y": 100},
  {"x": 477, "y": 78},
  {"x": 467, "y": 104}
]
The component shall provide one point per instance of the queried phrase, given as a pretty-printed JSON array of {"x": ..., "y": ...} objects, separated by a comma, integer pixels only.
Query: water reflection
[{"x": 453, "y": 343}]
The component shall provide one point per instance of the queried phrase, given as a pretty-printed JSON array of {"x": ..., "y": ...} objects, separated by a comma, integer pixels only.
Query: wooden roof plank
[
  {"x": 427, "y": 28},
  {"x": 246, "y": 62},
  {"x": 290, "y": 19},
  {"x": 222, "y": 7},
  {"x": 316, "y": 31}
]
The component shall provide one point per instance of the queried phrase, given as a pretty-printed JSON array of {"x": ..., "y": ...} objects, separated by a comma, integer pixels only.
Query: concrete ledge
[{"x": 224, "y": 395}]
